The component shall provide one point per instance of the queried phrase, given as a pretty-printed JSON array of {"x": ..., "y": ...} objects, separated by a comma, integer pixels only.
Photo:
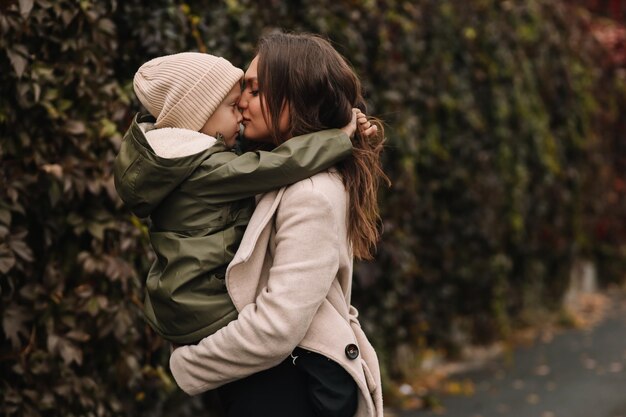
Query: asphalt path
[{"x": 578, "y": 373}]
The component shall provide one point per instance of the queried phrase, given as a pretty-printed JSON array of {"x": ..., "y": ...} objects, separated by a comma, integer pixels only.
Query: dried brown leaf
[
  {"x": 14, "y": 322},
  {"x": 17, "y": 56},
  {"x": 55, "y": 170},
  {"x": 78, "y": 336},
  {"x": 25, "y": 7},
  {"x": 70, "y": 352},
  {"x": 21, "y": 249},
  {"x": 5, "y": 216},
  {"x": 7, "y": 259}
]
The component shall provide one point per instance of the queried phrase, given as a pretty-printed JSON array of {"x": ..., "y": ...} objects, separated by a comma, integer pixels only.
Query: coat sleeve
[
  {"x": 305, "y": 264},
  {"x": 229, "y": 179}
]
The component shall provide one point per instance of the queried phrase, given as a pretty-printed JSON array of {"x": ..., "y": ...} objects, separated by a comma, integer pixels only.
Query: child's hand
[
  {"x": 359, "y": 119},
  {"x": 350, "y": 128},
  {"x": 365, "y": 127}
]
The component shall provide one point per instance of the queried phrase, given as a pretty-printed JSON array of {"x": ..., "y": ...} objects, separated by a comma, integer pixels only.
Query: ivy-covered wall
[{"x": 505, "y": 153}]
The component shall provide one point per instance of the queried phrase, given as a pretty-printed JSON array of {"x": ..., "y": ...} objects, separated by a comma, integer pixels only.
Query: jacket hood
[{"x": 153, "y": 162}]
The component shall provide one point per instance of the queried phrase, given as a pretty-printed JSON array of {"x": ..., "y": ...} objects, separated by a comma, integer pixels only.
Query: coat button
[{"x": 352, "y": 351}]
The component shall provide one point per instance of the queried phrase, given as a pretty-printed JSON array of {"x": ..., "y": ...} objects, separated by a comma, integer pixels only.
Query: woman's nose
[{"x": 242, "y": 103}]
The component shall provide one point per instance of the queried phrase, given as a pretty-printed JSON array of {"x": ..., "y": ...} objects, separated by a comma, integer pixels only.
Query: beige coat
[{"x": 291, "y": 281}]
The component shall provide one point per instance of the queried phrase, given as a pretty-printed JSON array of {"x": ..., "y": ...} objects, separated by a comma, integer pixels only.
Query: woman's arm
[{"x": 305, "y": 264}]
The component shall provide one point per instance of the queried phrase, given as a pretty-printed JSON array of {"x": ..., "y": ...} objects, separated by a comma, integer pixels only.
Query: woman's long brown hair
[{"x": 305, "y": 73}]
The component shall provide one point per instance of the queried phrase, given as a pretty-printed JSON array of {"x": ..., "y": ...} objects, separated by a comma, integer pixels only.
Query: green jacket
[{"x": 199, "y": 206}]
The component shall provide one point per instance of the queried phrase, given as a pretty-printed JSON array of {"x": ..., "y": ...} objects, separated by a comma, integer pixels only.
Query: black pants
[
  {"x": 308, "y": 386},
  {"x": 281, "y": 391}
]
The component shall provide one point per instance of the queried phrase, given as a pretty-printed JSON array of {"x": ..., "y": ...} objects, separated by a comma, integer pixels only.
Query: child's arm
[{"x": 234, "y": 178}]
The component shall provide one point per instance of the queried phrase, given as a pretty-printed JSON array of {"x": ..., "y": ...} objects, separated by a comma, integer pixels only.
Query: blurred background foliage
[{"x": 505, "y": 125}]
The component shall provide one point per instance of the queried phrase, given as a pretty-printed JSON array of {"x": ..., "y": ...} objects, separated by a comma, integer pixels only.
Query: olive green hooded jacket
[{"x": 199, "y": 197}]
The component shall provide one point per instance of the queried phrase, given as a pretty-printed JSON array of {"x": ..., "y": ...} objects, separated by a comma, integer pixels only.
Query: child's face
[{"x": 226, "y": 118}]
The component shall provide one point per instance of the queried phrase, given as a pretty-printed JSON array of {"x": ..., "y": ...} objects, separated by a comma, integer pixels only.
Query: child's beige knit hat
[{"x": 183, "y": 90}]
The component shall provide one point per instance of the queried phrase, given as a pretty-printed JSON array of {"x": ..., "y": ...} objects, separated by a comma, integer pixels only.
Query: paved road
[{"x": 579, "y": 373}]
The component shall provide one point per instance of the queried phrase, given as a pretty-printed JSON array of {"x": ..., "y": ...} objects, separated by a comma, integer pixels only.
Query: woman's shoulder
[
  {"x": 326, "y": 185},
  {"x": 318, "y": 200}
]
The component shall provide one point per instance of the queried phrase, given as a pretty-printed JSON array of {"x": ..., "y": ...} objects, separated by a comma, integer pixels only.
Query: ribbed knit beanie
[{"x": 183, "y": 90}]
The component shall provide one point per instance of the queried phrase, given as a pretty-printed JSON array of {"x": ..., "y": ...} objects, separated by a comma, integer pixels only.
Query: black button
[{"x": 352, "y": 351}]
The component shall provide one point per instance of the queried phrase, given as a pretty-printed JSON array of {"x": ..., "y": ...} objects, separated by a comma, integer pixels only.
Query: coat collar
[
  {"x": 243, "y": 272},
  {"x": 263, "y": 213}
]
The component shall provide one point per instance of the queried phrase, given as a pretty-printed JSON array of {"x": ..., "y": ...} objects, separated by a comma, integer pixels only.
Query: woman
[{"x": 291, "y": 278}]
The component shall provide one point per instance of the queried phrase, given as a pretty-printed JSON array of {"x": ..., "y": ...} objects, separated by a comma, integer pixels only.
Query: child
[{"x": 176, "y": 167}]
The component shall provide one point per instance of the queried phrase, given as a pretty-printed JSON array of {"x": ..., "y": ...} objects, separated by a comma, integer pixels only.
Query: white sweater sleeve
[{"x": 305, "y": 264}]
